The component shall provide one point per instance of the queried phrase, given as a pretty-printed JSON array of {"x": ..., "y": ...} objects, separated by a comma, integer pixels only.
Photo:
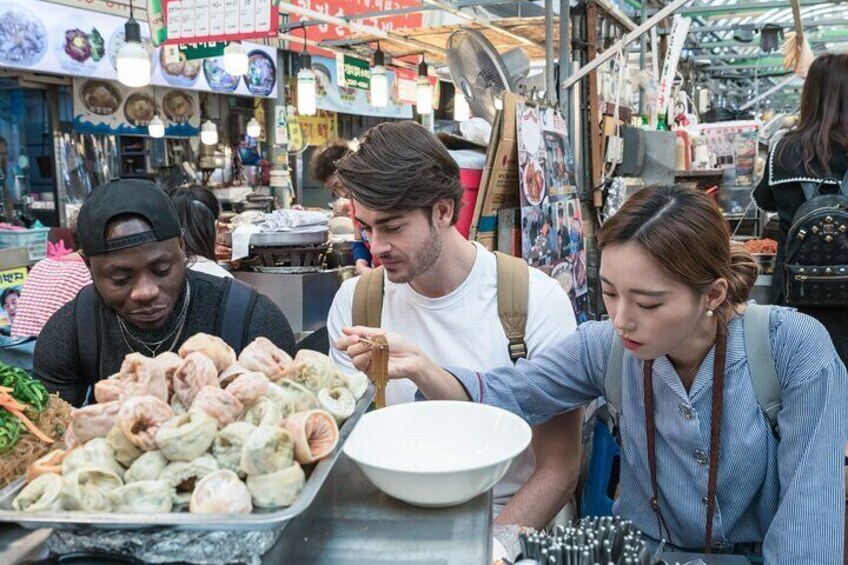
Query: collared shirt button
[
  {"x": 700, "y": 456},
  {"x": 686, "y": 411}
]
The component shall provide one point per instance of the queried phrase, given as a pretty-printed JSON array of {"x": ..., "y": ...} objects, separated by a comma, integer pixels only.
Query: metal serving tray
[{"x": 257, "y": 520}]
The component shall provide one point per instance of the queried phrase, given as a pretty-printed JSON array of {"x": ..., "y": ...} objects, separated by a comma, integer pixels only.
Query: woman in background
[{"x": 198, "y": 210}]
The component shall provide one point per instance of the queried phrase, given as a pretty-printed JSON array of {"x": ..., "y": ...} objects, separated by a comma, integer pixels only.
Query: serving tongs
[{"x": 378, "y": 368}]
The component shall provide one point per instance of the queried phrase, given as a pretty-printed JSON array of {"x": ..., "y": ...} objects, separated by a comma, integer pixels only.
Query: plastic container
[
  {"x": 470, "y": 180},
  {"x": 35, "y": 241}
]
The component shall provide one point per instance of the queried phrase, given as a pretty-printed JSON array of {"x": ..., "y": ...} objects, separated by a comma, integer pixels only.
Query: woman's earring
[{"x": 710, "y": 313}]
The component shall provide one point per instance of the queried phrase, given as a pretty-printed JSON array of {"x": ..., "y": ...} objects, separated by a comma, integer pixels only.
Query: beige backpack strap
[
  {"x": 513, "y": 294},
  {"x": 368, "y": 299}
]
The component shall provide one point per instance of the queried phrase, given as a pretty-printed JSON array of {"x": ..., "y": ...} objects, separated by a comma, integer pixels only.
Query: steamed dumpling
[
  {"x": 276, "y": 489},
  {"x": 195, "y": 372},
  {"x": 143, "y": 497},
  {"x": 184, "y": 475},
  {"x": 315, "y": 375},
  {"x": 43, "y": 494},
  {"x": 357, "y": 383},
  {"x": 147, "y": 467},
  {"x": 187, "y": 437},
  {"x": 88, "y": 489},
  {"x": 124, "y": 450},
  {"x": 266, "y": 413},
  {"x": 339, "y": 402},
  {"x": 96, "y": 453},
  {"x": 229, "y": 443},
  {"x": 168, "y": 362},
  {"x": 50, "y": 463},
  {"x": 249, "y": 387},
  {"x": 142, "y": 376},
  {"x": 302, "y": 398},
  {"x": 230, "y": 374},
  {"x": 268, "y": 449},
  {"x": 107, "y": 390},
  {"x": 94, "y": 420},
  {"x": 263, "y": 356},
  {"x": 140, "y": 418},
  {"x": 219, "y": 404},
  {"x": 221, "y": 492},
  {"x": 315, "y": 435},
  {"x": 212, "y": 347}
]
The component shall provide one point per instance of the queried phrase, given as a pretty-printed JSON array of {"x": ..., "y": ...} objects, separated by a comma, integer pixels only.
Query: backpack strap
[
  {"x": 368, "y": 299},
  {"x": 612, "y": 382},
  {"x": 87, "y": 324},
  {"x": 233, "y": 324},
  {"x": 761, "y": 363},
  {"x": 843, "y": 187},
  {"x": 513, "y": 298},
  {"x": 810, "y": 189}
]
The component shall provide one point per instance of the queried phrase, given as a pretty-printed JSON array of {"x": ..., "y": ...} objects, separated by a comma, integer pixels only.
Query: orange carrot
[{"x": 11, "y": 405}]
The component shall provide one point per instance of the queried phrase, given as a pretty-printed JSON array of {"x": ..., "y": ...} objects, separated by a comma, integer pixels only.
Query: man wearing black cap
[{"x": 144, "y": 299}]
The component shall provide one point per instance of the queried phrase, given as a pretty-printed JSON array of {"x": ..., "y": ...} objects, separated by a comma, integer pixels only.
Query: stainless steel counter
[{"x": 350, "y": 522}]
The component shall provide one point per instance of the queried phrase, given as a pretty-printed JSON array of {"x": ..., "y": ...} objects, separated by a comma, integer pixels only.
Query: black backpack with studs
[{"x": 816, "y": 264}]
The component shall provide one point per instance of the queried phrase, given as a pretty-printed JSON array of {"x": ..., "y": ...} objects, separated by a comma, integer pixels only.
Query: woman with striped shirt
[{"x": 694, "y": 440}]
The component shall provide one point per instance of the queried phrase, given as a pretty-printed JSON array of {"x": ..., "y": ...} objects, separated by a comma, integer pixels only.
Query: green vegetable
[
  {"x": 10, "y": 430},
  {"x": 98, "y": 47},
  {"x": 25, "y": 389}
]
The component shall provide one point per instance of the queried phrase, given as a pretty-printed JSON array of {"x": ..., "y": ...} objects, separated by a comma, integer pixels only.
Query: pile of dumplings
[{"x": 201, "y": 430}]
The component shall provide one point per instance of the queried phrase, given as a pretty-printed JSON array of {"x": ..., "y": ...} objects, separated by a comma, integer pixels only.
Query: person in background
[
  {"x": 816, "y": 149},
  {"x": 50, "y": 284},
  {"x": 695, "y": 440},
  {"x": 442, "y": 291},
  {"x": 323, "y": 169},
  {"x": 198, "y": 210},
  {"x": 9, "y": 302}
]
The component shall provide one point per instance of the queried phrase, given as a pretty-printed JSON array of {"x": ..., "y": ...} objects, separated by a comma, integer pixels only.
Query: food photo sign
[{"x": 44, "y": 37}]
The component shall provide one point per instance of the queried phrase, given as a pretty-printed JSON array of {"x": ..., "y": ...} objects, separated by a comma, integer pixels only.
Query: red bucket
[{"x": 470, "y": 180}]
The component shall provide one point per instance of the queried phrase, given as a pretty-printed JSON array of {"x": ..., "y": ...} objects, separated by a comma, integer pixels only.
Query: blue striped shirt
[{"x": 787, "y": 493}]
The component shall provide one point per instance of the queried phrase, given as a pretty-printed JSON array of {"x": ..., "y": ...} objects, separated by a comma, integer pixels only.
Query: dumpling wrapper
[
  {"x": 263, "y": 356},
  {"x": 124, "y": 450},
  {"x": 339, "y": 402},
  {"x": 248, "y": 388},
  {"x": 96, "y": 453},
  {"x": 177, "y": 406},
  {"x": 221, "y": 492},
  {"x": 140, "y": 418},
  {"x": 314, "y": 375},
  {"x": 302, "y": 398},
  {"x": 315, "y": 435},
  {"x": 230, "y": 374},
  {"x": 195, "y": 372},
  {"x": 49, "y": 463},
  {"x": 42, "y": 494},
  {"x": 88, "y": 489},
  {"x": 184, "y": 475},
  {"x": 266, "y": 413},
  {"x": 228, "y": 446},
  {"x": 357, "y": 383},
  {"x": 94, "y": 420},
  {"x": 187, "y": 437},
  {"x": 276, "y": 489},
  {"x": 219, "y": 404},
  {"x": 142, "y": 376},
  {"x": 211, "y": 346},
  {"x": 313, "y": 356},
  {"x": 168, "y": 362},
  {"x": 267, "y": 450},
  {"x": 107, "y": 390},
  {"x": 148, "y": 467},
  {"x": 143, "y": 497}
]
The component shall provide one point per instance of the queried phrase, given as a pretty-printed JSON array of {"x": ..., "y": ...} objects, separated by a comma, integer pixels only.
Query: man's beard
[{"x": 430, "y": 253}]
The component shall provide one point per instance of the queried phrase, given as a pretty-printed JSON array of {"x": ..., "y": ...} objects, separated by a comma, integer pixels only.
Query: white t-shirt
[{"x": 462, "y": 329}]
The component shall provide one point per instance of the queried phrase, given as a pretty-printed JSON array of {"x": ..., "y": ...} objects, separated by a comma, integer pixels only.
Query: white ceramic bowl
[{"x": 437, "y": 453}]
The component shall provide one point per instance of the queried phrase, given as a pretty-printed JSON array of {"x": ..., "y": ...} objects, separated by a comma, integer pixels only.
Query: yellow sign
[
  {"x": 13, "y": 277},
  {"x": 320, "y": 128},
  {"x": 295, "y": 134}
]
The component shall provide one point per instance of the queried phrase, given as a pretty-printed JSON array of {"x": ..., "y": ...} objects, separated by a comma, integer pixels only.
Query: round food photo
[
  {"x": 217, "y": 78},
  {"x": 182, "y": 73},
  {"x": 23, "y": 39},
  {"x": 100, "y": 97},
  {"x": 139, "y": 109},
  {"x": 78, "y": 46},
  {"x": 261, "y": 74},
  {"x": 533, "y": 183},
  {"x": 178, "y": 107}
]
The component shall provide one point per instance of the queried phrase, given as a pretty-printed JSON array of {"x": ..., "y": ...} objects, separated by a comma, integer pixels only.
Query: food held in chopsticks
[
  {"x": 379, "y": 367},
  {"x": 202, "y": 432}
]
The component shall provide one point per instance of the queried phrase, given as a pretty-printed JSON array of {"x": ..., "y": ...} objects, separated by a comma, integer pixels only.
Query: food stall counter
[{"x": 350, "y": 522}]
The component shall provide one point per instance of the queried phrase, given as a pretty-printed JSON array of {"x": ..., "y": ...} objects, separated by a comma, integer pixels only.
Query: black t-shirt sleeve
[
  {"x": 268, "y": 321},
  {"x": 764, "y": 196},
  {"x": 55, "y": 362}
]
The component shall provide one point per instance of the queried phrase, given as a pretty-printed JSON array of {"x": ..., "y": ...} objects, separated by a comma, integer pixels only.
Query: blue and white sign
[{"x": 335, "y": 98}]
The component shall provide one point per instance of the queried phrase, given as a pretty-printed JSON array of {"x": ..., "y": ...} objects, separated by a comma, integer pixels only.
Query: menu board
[
  {"x": 43, "y": 37},
  {"x": 195, "y": 21}
]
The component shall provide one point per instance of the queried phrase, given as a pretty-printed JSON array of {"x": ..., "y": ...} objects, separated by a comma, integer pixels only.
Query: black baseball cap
[{"x": 120, "y": 197}]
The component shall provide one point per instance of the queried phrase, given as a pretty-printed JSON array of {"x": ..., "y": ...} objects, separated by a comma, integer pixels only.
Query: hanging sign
[
  {"x": 195, "y": 21},
  {"x": 320, "y": 128},
  {"x": 281, "y": 133},
  {"x": 679, "y": 31},
  {"x": 406, "y": 85},
  {"x": 353, "y": 72},
  {"x": 203, "y": 50},
  {"x": 344, "y": 99}
]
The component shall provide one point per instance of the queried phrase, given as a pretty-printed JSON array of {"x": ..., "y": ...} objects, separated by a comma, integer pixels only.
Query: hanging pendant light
[
  {"x": 306, "y": 94},
  {"x": 133, "y": 60},
  {"x": 379, "y": 81},
  {"x": 209, "y": 133},
  {"x": 236, "y": 61},
  {"x": 253, "y": 129},
  {"x": 156, "y": 127},
  {"x": 424, "y": 91}
]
